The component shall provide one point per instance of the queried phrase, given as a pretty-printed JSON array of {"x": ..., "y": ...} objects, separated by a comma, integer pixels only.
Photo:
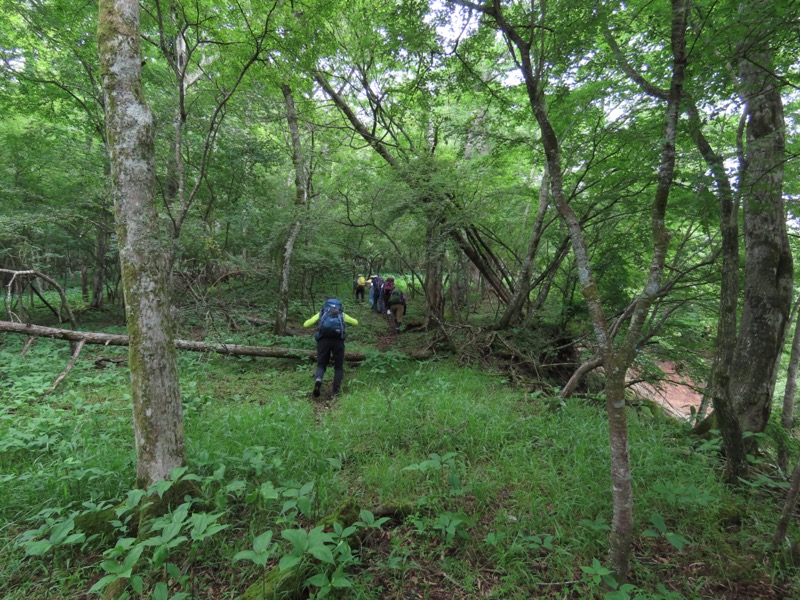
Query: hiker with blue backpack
[{"x": 330, "y": 336}]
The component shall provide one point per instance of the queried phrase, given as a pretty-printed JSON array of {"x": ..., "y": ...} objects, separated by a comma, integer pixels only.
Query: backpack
[
  {"x": 377, "y": 283},
  {"x": 331, "y": 320},
  {"x": 361, "y": 282},
  {"x": 396, "y": 297}
]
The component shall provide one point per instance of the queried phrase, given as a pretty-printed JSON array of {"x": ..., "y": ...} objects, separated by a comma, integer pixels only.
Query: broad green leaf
[
  {"x": 318, "y": 580},
  {"x": 38, "y": 548},
  {"x": 60, "y": 531},
  {"x": 103, "y": 583},
  {"x": 244, "y": 555},
  {"x": 322, "y": 553},
  {"x": 161, "y": 591},
  {"x": 658, "y": 521},
  {"x": 268, "y": 491},
  {"x": 261, "y": 543},
  {"x": 341, "y": 581},
  {"x": 298, "y": 539},
  {"x": 288, "y": 561},
  {"x": 676, "y": 540}
]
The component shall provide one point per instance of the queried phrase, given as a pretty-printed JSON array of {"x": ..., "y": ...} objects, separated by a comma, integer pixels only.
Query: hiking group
[{"x": 331, "y": 323}]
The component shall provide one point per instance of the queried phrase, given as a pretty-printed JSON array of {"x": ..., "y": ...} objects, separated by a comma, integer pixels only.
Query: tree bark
[
  {"x": 787, "y": 416},
  {"x": 99, "y": 275},
  {"x": 157, "y": 416},
  {"x": 302, "y": 184},
  {"x": 514, "y": 307},
  {"x": 768, "y": 261}
]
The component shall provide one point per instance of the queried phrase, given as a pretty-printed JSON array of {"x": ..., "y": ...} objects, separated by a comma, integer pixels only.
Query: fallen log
[{"x": 112, "y": 339}]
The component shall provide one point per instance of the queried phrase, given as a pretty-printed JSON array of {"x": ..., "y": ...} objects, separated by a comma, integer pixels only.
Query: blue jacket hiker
[{"x": 330, "y": 335}]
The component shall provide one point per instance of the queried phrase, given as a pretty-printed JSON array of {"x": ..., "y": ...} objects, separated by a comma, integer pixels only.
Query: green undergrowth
[{"x": 464, "y": 487}]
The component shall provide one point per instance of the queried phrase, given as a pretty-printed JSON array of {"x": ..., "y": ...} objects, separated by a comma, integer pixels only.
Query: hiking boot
[
  {"x": 335, "y": 393},
  {"x": 317, "y": 386}
]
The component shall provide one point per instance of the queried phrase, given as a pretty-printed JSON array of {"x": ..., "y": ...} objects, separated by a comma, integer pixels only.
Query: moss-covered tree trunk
[
  {"x": 768, "y": 259},
  {"x": 157, "y": 417}
]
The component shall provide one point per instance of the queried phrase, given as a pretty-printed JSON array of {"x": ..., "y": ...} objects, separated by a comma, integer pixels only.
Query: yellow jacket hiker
[{"x": 330, "y": 335}]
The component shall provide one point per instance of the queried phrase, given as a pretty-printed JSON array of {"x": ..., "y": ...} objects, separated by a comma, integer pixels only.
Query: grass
[{"x": 505, "y": 494}]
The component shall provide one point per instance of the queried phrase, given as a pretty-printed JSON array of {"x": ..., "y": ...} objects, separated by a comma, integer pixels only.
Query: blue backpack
[{"x": 331, "y": 320}]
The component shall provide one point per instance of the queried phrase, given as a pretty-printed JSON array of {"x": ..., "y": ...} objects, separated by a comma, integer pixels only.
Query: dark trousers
[
  {"x": 327, "y": 349},
  {"x": 360, "y": 293}
]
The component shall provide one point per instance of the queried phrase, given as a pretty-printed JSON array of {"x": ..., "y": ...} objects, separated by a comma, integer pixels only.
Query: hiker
[
  {"x": 395, "y": 301},
  {"x": 360, "y": 284},
  {"x": 370, "y": 294},
  {"x": 377, "y": 293},
  {"x": 330, "y": 336}
]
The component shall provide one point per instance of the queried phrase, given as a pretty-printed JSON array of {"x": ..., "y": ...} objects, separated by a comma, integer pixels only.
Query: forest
[{"x": 590, "y": 209}]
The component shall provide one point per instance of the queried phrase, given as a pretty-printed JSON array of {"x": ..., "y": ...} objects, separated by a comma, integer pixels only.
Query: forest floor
[{"x": 492, "y": 490}]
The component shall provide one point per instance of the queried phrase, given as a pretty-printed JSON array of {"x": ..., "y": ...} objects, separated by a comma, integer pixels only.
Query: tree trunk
[
  {"x": 514, "y": 307},
  {"x": 617, "y": 359},
  {"x": 719, "y": 381},
  {"x": 99, "y": 275},
  {"x": 434, "y": 267},
  {"x": 157, "y": 416},
  {"x": 768, "y": 260},
  {"x": 788, "y": 510},
  {"x": 301, "y": 182},
  {"x": 787, "y": 416}
]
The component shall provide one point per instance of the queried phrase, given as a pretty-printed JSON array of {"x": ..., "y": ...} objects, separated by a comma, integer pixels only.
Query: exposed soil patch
[{"x": 676, "y": 393}]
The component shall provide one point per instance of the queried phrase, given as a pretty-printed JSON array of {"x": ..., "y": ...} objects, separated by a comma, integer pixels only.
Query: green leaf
[
  {"x": 304, "y": 504},
  {"x": 298, "y": 539},
  {"x": 159, "y": 487},
  {"x": 60, "y": 531},
  {"x": 341, "y": 581},
  {"x": 75, "y": 538},
  {"x": 103, "y": 583},
  {"x": 173, "y": 571},
  {"x": 288, "y": 561},
  {"x": 322, "y": 553},
  {"x": 261, "y": 543},
  {"x": 235, "y": 486},
  {"x": 160, "y": 556},
  {"x": 318, "y": 580},
  {"x": 650, "y": 533},
  {"x": 38, "y": 548},
  {"x": 137, "y": 584},
  {"x": 133, "y": 556},
  {"x": 657, "y": 520},
  {"x": 161, "y": 592},
  {"x": 268, "y": 491},
  {"x": 245, "y": 555},
  {"x": 676, "y": 540}
]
